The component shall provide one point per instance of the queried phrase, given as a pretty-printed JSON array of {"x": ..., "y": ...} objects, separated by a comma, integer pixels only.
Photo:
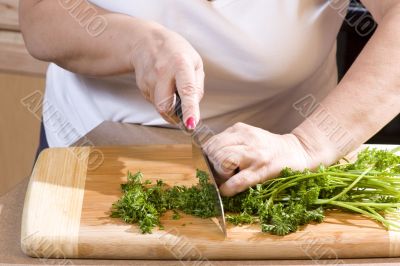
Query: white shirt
[{"x": 260, "y": 57}]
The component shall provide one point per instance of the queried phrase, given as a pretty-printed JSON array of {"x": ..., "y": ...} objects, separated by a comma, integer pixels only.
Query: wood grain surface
[
  {"x": 9, "y": 14},
  {"x": 16, "y": 57},
  {"x": 53, "y": 203},
  {"x": 341, "y": 235}
]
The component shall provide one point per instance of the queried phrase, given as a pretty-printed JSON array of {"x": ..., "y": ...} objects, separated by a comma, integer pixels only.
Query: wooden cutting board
[{"x": 67, "y": 207}]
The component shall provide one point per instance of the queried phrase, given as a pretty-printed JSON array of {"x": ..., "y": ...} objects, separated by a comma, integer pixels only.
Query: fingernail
[{"x": 190, "y": 123}]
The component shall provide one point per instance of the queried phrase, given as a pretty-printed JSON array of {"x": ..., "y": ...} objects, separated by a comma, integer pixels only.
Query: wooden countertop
[{"x": 109, "y": 133}]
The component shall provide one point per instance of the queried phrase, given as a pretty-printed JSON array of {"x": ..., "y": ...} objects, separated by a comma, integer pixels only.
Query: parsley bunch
[{"x": 370, "y": 186}]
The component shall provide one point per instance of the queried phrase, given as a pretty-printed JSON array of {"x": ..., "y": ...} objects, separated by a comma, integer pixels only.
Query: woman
[{"x": 269, "y": 64}]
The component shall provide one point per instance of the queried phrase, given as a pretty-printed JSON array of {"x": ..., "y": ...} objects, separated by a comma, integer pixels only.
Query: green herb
[
  {"x": 144, "y": 203},
  {"x": 370, "y": 186},
  {"x": 141, "y": 203},
  {"x": 241, "y": 218},
  {"x": 197, "y": 200}
]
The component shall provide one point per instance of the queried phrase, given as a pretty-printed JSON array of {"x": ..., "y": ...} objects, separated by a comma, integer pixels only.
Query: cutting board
[{"x": 67, "y": 207}]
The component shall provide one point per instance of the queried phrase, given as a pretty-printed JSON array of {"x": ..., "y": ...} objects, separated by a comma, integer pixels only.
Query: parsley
[
  {"x": 144, "y": 203},
  {"x": 370, "y": 186},
  {"x": 240, "y": 219}
]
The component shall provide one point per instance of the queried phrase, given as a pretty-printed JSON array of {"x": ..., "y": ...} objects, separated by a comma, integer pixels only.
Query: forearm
[
  {"x": 55, "y": 33},
  {"x": 366, "y": 99}
]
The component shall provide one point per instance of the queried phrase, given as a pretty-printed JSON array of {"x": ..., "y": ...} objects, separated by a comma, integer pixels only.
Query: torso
[{"x": 260, "y": 57}]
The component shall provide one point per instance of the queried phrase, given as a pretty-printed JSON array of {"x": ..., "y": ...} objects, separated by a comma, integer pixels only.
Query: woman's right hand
[
  {"x": 165, "y": 62},
  {"x": 162, "y": 60}
]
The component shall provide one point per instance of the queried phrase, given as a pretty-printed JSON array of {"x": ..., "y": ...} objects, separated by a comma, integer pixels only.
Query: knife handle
[{"x": 178, "y": 108}]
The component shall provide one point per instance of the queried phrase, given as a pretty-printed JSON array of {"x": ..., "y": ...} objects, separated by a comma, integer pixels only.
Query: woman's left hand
[{"x": 256, "y": 153}]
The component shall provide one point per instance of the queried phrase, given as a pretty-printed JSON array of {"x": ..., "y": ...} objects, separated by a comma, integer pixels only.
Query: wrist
[
  {"x": 129, "y": 38},
  {"x": 144, "y": 42},
  {"x": 321, "y": 147}
]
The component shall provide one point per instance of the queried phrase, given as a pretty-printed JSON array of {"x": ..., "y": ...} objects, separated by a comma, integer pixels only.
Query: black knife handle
[{"x": 178, "y": 107}]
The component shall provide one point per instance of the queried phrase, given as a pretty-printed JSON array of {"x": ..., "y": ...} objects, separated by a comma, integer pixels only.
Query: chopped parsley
[{"x": 143, "y": 203}]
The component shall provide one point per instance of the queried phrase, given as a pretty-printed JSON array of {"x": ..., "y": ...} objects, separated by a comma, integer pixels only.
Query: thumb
[{"x": 190, "y": 91}]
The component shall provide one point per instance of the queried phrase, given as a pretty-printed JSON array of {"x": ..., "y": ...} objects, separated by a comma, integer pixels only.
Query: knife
[{"x": 202, "y": 162}]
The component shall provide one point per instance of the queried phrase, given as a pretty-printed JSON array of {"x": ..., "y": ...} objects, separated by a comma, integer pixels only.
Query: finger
[
  {"x": 146, "y": 95},
  {"x": 240, "y": 182},
  {"x": 221, "y": 141},
  {"x": 190, "y": 94},
  {"x": 229, "y": 159},
  {"x": 200, "y": 81},
  {"x": 164, "y": 99},
  {"x": 144, "y": 88}
]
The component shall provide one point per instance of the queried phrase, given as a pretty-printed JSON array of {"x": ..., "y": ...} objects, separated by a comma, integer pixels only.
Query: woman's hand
[
  {"x": 258, "y": 154},
  {"x": 165, "y": 62}
]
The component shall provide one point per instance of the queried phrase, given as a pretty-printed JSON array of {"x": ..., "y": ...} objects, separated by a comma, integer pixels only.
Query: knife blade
[{"x": 201, "y": 162}]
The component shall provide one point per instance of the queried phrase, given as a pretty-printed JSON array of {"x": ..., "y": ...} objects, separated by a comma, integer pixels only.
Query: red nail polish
[{"x": 190, "y": 123}]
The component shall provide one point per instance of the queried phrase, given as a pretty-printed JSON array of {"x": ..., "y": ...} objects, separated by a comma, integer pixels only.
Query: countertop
[{"x": 109, "y": 133}]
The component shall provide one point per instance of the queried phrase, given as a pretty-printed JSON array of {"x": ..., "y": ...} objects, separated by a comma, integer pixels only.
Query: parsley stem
[
  {"x": 349, "y": 187},
  {"x": 366, "y": 213},
  {"x": 363, "y": 204}
]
